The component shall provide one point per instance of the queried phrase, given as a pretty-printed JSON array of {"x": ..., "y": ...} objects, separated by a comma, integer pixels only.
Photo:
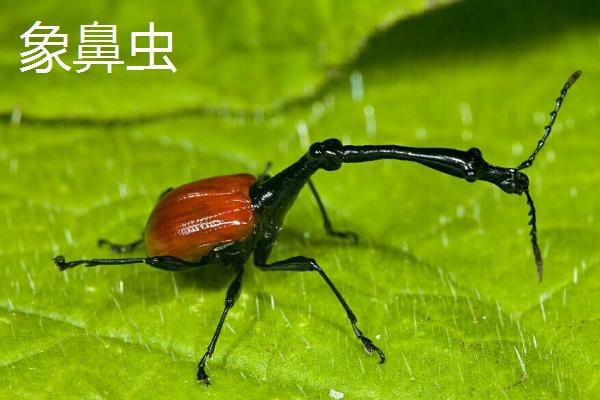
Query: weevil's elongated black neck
[
  {"x": 459, "y": 163},
  {"x": 275, "y": 196},
  {"x": 464, "y": 164}
]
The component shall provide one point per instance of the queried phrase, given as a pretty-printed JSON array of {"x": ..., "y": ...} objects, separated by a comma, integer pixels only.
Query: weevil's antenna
[
  {"x": 533, "y": 233},
  {"x": 527, "y": 163}
]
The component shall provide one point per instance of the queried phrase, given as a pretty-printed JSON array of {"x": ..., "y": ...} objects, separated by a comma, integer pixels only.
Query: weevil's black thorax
[
  {"x": 272, "y": 197},
  {"x": 276, "y": 194}
]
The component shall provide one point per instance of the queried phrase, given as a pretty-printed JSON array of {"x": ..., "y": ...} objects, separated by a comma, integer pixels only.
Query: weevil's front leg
[
  {"x": 161, "y": 262},
  {"x": 232, "y": 294},
  {"x": 326, "y": 221},
  {"x": 301, "y": 263}
]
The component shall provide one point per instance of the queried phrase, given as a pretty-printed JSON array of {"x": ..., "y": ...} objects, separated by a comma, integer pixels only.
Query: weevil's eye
[{"x": 515, "y": 182}]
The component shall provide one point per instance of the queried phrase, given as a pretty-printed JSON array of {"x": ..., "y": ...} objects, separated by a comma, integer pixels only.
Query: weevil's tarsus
[
  {"x": 167, "y": 263},
  {"x": 559, "y": 100},
  {"x": 62, "y": 264},
  {"x": 368, "y": 344}
]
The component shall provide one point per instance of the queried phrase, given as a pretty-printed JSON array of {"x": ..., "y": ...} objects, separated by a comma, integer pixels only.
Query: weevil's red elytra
[{"x": 189, "y": 221}]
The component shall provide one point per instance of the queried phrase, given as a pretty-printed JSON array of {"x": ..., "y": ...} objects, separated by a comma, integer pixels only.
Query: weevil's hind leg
[
  {"x": 326, "y": 221},
  {"x": 120, "y": 248},
  {"x": 301, "y": 263},
  {"x": 162, "y": 262},
  {"x": 232, "y": 294},
  {"x": 127, "y": 247}
]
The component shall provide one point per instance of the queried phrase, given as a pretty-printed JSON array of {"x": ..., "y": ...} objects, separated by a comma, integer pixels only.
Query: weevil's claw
[
  {"x": 202, "y": 377},
  {"x": 61, "y": 263},
  {"x": 370, "y": 347},
  {"x": 367, "y": 343}
]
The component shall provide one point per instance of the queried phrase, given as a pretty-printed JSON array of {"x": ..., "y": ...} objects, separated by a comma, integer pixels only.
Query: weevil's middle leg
[
  {"x": 120, "y": 248},
  {"x": 326, "y": 221}
]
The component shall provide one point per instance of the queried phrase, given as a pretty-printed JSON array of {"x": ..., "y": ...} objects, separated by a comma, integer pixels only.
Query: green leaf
[{"x": 443, "y": 279}]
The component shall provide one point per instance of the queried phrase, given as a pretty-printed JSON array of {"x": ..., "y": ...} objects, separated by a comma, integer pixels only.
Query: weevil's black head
[
  {"x": 513, "y": 181},
  {"x": 510, "y": 180}
]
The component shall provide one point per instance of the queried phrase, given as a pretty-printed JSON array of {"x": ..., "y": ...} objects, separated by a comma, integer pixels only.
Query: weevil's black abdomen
[{"x": 189, "y": 221}]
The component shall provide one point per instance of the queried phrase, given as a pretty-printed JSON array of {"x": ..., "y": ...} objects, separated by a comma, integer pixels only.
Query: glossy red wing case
[{"x": 189, "y": 221}]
